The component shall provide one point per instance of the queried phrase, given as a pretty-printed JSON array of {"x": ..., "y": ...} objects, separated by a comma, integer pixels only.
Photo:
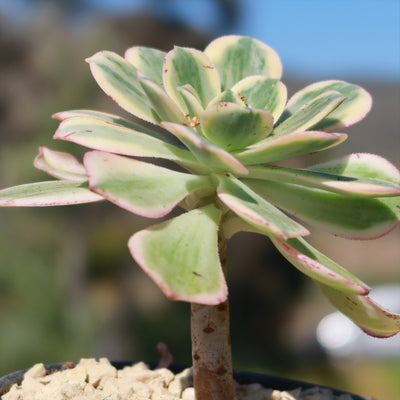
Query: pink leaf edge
[{"x": 205, "y": 299}]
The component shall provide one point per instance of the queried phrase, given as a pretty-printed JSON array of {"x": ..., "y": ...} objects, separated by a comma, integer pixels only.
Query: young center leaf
[{"x": 232, "y": 127}]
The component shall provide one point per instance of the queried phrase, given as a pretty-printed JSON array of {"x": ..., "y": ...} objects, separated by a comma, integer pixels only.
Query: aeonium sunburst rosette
[{"x": 228, "y": 120}]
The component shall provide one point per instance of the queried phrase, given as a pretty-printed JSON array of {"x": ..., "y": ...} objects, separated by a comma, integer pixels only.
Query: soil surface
[{"x": 99, "y": 380}]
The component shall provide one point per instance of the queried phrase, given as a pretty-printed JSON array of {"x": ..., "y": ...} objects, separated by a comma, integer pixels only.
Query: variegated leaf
[
  {"x": 232, "y": 127},
  {"x": 207, "y": 153},
  {"x": 60, "y": 165},
  {"x": 261, "y": 92},
  {"x": 319, "y": 267},
  {"x": 118, "y": 78},
  {"x": 237, "y": 57},
  {"x": 366, "y": 313},
  {"x": 256, "y": 211},
  {"x": 346, "y": 216},
  {"x": 360, "y": 165},
  {"x": 309, "y": 114},
  {"x": 164, "y": 108},
  {"x": 50, "y": 193},
  {"x": 290, "y": 145},
  {"x": 184, "y": 66},
  {"x": 351, "y": 186},
  {"x": 139, "y": 187},
  {"x": 148, "y": 61},
  {"x": 181, "y": 256},
  {"x": 193, "y": 107},
  {"x": 106, "y": 117},
  {"x": 102, "y": 135},
  {"x": 227, "y": 96},
  {"x": 357, "y": 104}
]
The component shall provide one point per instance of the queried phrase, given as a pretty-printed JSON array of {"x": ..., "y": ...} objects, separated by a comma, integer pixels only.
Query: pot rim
[{"x": 246, "y": 377}]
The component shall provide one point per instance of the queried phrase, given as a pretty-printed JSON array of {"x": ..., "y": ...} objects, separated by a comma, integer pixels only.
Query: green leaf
[
  {"x": 228, "y": 96},
  {"x": 60, "y": 165},
  {"x": 207, "y": 153},
  {"x": 290, "y": 145},
  {"x": 361, "y": 165},
  {"x": 261, "y": 92},
  {"x": 148, "y": 61},
  {"x": 370, "y": 316},
  {"x": 181, "y": 256},
  {"x": 346, "y": 216},
  {"x": 309, "y": 114},
  {"x": 118, "y": 78},
  {"x": 232, "y": 224},
  {"x": 237, "y": 57},
  {"x": 234, "y": 127},
  {"x": 192, "y": 103},
  {"x": 164, "y": 107},
  {"x": 51, "y": 193},
  {"x": 256, "y": 211},
  {"x": 184, "y": 66},
  {"x": 351, "y": 186},
  {"x": 357, "y": 104},
  {"x": 106, "y": 117},
  {"x": 139, "y": 187},
  {"x": 317, "y": 266},
  {"x": 102, "y": 135}
]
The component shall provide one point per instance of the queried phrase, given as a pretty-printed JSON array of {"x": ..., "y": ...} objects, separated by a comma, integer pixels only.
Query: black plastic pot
[{"x": 241, "y": 377}]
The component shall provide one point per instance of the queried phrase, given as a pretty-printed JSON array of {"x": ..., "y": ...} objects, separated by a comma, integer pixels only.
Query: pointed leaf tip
[
  {"x": 317, "y": 266},
  {"x": 60, "y": 165},
  {"x": 371, "y": 317},
  {"x": 49, "y": 193}
]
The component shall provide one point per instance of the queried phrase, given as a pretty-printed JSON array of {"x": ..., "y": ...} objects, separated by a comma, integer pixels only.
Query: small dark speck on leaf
[
  {"x": 197, "y": 274},
  {"x": 351, "y": 301}
]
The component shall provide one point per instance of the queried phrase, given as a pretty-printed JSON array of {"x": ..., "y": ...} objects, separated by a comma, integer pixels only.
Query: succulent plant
[{"x": 219, "y": 119}]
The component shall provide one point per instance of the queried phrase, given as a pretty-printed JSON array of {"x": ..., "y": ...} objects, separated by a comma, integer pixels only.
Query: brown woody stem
[{"x": 211, "y": 346}]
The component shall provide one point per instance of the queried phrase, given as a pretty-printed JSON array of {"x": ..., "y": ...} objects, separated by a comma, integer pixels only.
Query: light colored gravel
[{"x": 99, "y": 380}]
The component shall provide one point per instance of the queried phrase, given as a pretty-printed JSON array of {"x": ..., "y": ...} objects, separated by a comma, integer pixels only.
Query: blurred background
[{"x": 68, "y": 286}]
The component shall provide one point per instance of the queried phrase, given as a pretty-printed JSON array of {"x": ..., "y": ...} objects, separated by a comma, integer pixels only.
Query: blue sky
[
  {"x": 339, "y": 39},
  {"x": 315, "y": 38}
]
